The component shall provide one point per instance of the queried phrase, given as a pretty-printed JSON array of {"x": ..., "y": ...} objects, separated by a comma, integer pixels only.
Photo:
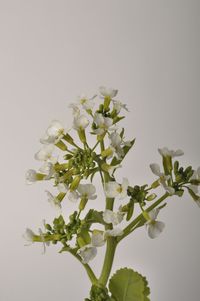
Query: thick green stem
[
  {"x": 108, "y": 261},
  {"x": 138, "y": 219}
]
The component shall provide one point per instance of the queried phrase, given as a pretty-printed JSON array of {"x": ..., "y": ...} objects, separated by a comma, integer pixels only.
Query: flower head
[
  {"x": 154, "y": 227},
  {"x": 54, "y": 201},
  {"x": 46, "y": 154},
  {"x": 31, "y": 176},
  {"x": 54, "y": 133},
  {"x": 113, "y": 189},
  {"x": 97, "y": 239},
  {"x": 80, "y": 122},
  {"x": 29, "y": 236},
  {"x": 86, "y": 102},
  {"x": 103, "y": 124},
  {"x": 87, "y": 191},
  {"x": 155, "y": 168},
  {"x": 114, "y": 232},
  {"x": 118, "y": 105},
  {"x": 87, "y": 253},
  {"x": 108, "y": 92},
  {"x": 165, "y": 152},
  {"x": 111, "y": 217}
]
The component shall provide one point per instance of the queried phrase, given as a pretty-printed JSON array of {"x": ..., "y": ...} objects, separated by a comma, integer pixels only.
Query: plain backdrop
[{"x": 52, "y": 51}]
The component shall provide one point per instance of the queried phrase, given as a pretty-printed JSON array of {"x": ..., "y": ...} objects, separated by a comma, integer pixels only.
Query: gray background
[{"x": 51, "y": 51}]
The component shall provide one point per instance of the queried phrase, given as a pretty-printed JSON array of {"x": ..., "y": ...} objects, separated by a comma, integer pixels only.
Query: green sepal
[
  {"x": 117, "y": 119},
  {"x": 195, "y": 182},
  {"x": 126, "y": 149},
  {"x": 69, "y": 139},
  {"x": 82, "y": 136},
  {"x": 180, "y": 192},
  {"x": 61, "y": 145},
  {"x": 128, "y": 285},
  {"x": 83, "y": 238}
]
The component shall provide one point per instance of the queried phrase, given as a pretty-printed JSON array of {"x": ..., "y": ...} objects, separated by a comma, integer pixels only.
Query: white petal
[
  {"x": 155, "y": 168},
  {"x": 112, "y": 189},
  {"x": 55, "y": 129},
  {"x": 164, "y": 151},
  {"x": 87, "y": 253},
  {"x": 73, "y": 196},
  {"x": 153, "y": 213},
  {"x": 178, "y": 153},
  {"x": 97, "y": 239},
  {"x": 62, "y": 187},
  {"x": 80, "y": 122},
  {"x": 114, "y": 232},
  {"x": 109, "y": 92},
  {"x": 31, "y": 176},
  {"x": 154, "y": 229},
  {"x": 28, "y": 236},
  {"x": 111, "y": 217}
]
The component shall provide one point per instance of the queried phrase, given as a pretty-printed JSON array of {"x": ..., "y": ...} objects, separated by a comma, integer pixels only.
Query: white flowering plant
[{"x": 71, "y": 165}]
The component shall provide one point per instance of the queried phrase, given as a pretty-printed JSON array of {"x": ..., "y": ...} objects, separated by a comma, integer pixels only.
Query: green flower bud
[{"x": 75, "y": 183}]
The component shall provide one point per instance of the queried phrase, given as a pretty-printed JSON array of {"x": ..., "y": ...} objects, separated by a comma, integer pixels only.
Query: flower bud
[{"x": 75, "y": 183}]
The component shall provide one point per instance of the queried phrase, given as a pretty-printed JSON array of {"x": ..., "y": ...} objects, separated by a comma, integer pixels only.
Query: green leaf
[
  {"x": 126, "y": 149},
  {"x": 128, "y": 285},
  {"x": 94, "y": 216}
]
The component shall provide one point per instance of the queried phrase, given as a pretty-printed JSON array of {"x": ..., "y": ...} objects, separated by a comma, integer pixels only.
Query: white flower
[
  {"x": 103, "y": 124},
  {"x": 86, "y": 102},
  {"x": 113, "y": 189},
  {"x": 87, "y": 253},
  {"x": 45, "y": 243},
  {"x": 108, "y": 92},
  {"x": 46, "y": 154},
  {"x": 31, "y": 176},
  {"x": 75, "y": 108},
  {"x": 54, "y": 201},
  {"x": 29, "y": 237},
  {"x": 54, "y": 133},
  {"x": 114, "y": 232},
  {"x": 118, "y": 105},
  {"x": 48, "y": 169},
  {"x": 111, "y": 217},
  {"x": 154, "y": 227},
  {"x": 165, "y": 152},
  {"x": 62, "y": 187},
  {"x": 73, "y": 196},
  {"x": 87, "y": 191},
  {"x": 80, "y": 122},
  {"x": 97, "y": 239},
  {"x": 116, "y": 144},
  {"x": 155, "y": 168}
]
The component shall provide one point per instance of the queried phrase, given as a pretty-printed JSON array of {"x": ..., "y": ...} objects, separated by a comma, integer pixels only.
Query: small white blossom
[
  {"x": 103, "y": 124},
  {"x": 118, "y": 105},
  {"x": 31, "y": 176},
  {"x": 87, "y": 191},
  {"x": 47, "y": 169},
  {"x": 154, "y": 227},
  {"x": 113, "y": 189},
  {"x": 54, "y": 201},
  {"x": 87, "y": 253},
  {"x": 80, "y": 122},
  {"x": 111, "y": 217},
  {"x": 75, "y": 108},
  {"x": 54, "y": 133},
  {"x": 108, "y": 92},
  {"x": 155, "y": 168},
  {"x": 29, "y": 237},
  {"x": 73, "y": 196},
  {"x": 165, "y": 152},
  {"x": 62, "y": 187},
  {"x": 97, "y": 239},
  {"x": 114, "y": 232},
  {"x": 46, "y": 154},
  {"x": 86, "y": 102}
]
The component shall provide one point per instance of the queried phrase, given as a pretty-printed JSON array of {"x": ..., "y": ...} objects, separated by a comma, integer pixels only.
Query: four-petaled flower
[
  {"x": 80, "y": 122},
  {"x": 115, "y": 190},
  {"x": 87, "y": 191},
  {"x": 154, "y": 227},
  {"x": 165, "y": 152},
  {"x": 108, "y": 92},
  {"x": 54, "y": 133},
  {"x": 46, "y": 154},
  {"x": 87, "y": 253},
  {"x": 155, "y": 168},
  {"x": 103, "y": 124}
]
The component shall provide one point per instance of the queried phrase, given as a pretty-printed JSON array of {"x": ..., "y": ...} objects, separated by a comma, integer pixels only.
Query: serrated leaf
[{"x": 128, "y": 285}]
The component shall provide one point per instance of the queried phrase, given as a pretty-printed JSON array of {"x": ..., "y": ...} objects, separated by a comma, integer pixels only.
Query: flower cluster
[{"x": 71, "y": 164}]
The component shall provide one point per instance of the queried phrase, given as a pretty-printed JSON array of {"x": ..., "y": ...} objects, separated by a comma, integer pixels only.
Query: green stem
[
  {"x": 108, "y": 260},
  {"x": 133, "y": 225},
  {"x": 88, "y": 269}
]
